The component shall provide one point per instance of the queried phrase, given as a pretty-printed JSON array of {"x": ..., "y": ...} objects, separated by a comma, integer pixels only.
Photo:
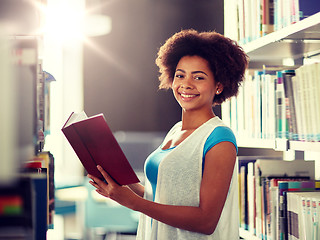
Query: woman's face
[{"x": 193, "y": 84}]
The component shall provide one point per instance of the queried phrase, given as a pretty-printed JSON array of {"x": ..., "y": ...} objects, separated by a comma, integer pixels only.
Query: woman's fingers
[{"x": 106, "y": 175}]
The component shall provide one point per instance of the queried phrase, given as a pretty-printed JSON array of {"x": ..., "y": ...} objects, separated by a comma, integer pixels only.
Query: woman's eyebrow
[
  {"x": 180, "y": 70},
  {"x": 194, "y": 72}
]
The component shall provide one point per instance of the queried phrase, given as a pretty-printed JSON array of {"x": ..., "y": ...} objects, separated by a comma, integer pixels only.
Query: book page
[{"x": 75, "y": 117}]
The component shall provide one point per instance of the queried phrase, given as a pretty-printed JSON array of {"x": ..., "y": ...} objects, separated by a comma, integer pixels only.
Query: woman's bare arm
[
  {"x": 219, "y": 165},
  {"x": 137, "y": 188}
]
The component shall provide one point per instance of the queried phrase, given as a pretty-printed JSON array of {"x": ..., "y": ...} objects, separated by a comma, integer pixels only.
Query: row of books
[
  {"x": 303, "y": 215},
  {"x": 277, "y": 104},
  {"x": 27, "y": 205},
  {"x": 256, "y": 18},
  {"x": 264, "y": 185}
]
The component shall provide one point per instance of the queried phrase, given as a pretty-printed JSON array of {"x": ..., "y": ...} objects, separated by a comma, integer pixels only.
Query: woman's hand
[{"x": 110, "y": 189}]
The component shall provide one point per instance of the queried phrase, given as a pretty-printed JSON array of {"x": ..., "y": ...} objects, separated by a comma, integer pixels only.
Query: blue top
[{"x": 219, "y": 134}]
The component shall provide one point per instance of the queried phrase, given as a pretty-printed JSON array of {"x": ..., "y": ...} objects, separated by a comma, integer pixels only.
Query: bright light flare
[{"x": 64, "y": 21}]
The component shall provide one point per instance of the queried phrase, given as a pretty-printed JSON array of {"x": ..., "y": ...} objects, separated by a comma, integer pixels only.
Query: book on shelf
[
  {"x": 303, "y": 210},
  {"x": 267, "y": 16},
  {"x": 291, "y": 122},
  {"x": 277, "y": 104},
  {"x": 263, "y": 212},
  {"x": 43, "y": 163},
  {"x": 274, "y": 171},
  {"x": 246, "y": 163},
  {"x": 23, "y": 204},
  {"x": 305, "y": 90},
  {"x": 94, "y": 143},
  {"x": 255, "y": 19},
  {"x": 281, "y": 121},
  {"x": 47, "y": 160}
]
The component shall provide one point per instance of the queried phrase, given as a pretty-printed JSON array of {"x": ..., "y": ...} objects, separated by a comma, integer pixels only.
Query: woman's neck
[{"x": 193, "y": 120}]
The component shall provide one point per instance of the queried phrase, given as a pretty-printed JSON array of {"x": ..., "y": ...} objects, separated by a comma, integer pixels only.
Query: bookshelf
[
  {"x": 286, "y": 48},
  {"x": 26, "y": 182},
  {"x": 296, "y": 41}
]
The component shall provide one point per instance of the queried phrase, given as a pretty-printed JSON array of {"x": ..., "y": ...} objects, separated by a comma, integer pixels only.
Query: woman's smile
[{"x": 188, "y": 96}]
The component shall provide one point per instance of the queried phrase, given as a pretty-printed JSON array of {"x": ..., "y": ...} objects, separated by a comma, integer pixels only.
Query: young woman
[{"x": 191, "y": 179}]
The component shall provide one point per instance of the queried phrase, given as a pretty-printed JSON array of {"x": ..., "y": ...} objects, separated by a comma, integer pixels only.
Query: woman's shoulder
[{"x": 216, "y": 121}]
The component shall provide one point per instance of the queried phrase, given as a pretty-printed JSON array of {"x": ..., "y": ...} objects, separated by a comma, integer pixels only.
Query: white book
[
  {"x": 298, "y": 105},
  {"x": 234, "y": 114},
  {"x": 251, "y": 197},
  {"x": 264, "y": 104},
  {"x": 295, "y": 12},
  {"x": 315, "y": 76},
  {"x": 274, "y": 203},
  {"x": 311, "y": 100},
  {"x": 308, "y": 101},
  {"x": 271, "y": 114},
  {"x": 247, "y": 20},
  {"x": 225, "y": 112},
  {"x": 241, "y": 111},
  {"x": 316, "y": 220},
  {"x": 231, "y": 23},
  {"x": 241, "y": 20},
  {"x": 307, "y": 216},
  {"x": 301, "y": 93},
  {"x": 294, "y": 211},
  {"x": 258, "y": 202},
  {"x": 257, "y": 104},
  {"x": 299, "y": 212},
  {"x": 249, "y": 110}
]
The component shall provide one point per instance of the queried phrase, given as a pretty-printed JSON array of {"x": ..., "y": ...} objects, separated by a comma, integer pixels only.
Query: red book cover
[{"x": 94, "y": 143}]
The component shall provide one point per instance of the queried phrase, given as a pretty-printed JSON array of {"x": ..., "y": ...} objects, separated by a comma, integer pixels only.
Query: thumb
[{"x": 106, "y": 175}]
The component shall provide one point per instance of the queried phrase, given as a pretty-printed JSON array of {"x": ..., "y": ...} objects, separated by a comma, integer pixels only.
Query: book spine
[
  {"x": 280, "y": 107},
  {"x": 291, "y": 128}
]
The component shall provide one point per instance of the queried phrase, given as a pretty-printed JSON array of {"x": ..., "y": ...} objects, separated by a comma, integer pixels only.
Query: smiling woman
[{"x": 191, "y": 187}]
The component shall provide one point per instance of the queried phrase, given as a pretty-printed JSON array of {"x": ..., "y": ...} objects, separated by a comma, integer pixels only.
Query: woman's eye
[
  {"x": 179, "y": 76},
  {"x": 199, "y": 78}
]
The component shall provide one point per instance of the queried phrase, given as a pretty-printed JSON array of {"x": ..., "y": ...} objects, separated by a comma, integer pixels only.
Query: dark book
[
  {"x": 290, "y": 107},
  {"x": 94, "y": 143}
]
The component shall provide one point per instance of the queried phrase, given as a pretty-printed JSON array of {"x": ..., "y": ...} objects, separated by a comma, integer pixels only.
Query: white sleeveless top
[{"x": 179, "y": 184}]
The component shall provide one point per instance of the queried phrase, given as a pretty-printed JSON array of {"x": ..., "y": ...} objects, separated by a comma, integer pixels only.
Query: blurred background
[
  {"x": 120, "y": 76},
  {"x": 100, "y": 56}
]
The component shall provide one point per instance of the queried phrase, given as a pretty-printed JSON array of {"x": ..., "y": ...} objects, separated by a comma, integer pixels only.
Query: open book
[{"x": 94, "y": 143}]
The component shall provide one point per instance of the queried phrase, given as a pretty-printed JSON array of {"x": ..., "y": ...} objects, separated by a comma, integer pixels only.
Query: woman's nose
[{"x": 187, "y": 83}]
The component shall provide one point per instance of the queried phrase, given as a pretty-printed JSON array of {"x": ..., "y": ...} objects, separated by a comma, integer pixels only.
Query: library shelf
[
  {"x": 278, "y": 144},
  {"x": 304, "y": 146},
  {"x": 295, "y": 41},
  {"x": 277, "y": 50},
  {"x": 245, "y": 234},
  {"x": 255, "y": 143}
]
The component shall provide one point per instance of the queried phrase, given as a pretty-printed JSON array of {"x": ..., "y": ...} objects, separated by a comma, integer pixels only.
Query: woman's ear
[{"x": 219, "y": 88}]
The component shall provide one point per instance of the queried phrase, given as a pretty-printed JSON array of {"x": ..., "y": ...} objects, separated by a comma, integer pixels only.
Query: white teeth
[{"x": 187, "y": 95}]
